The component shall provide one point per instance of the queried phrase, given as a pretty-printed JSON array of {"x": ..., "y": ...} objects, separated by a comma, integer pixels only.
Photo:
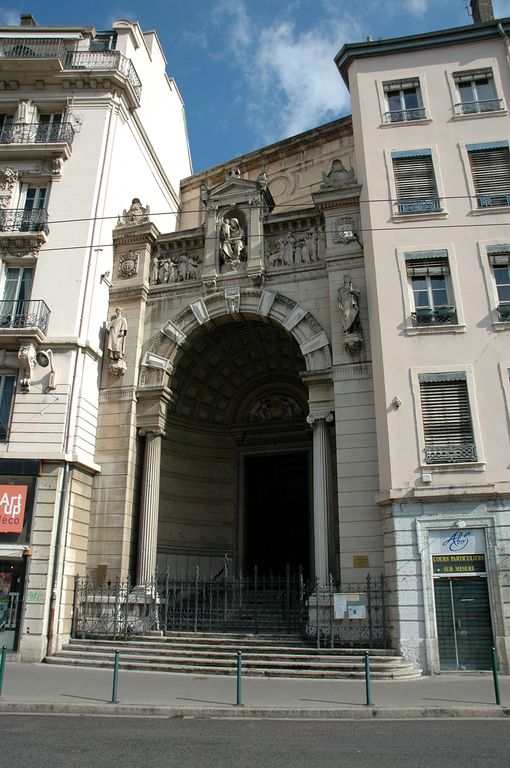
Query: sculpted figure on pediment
[
  {"x": 338, "y": 177},
  {"x": 137, "y": 214}
]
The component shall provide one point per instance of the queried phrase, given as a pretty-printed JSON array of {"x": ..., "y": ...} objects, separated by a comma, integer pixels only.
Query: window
[
  {"x": 32, "y": 203},
  {"x": 403, "y": 101},
  {"x": 490, "y": 169},
  {"x": 429, "y": 279},
  {"x": 14, "y": 306},
  {"x": 447, "y": 424},
  {"x": 415, "y": 182},
  {"x": 7, "y": 384},
  {"x": 476, "y": 92},
  {"x": 49, "y": 127},
  {"x": 499, "y": 259}
]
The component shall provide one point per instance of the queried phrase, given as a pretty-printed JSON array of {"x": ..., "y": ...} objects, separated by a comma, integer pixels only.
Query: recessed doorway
[{"x": 277, "y": 512}]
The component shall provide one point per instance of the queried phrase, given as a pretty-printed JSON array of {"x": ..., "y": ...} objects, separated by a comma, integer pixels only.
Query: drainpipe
[
  {"x": 64, "y": 494},
  {"x": 507, "y": 41}
]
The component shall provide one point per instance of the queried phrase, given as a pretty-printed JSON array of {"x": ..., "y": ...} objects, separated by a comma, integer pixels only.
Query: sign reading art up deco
[{"x": 12, "y": 508}]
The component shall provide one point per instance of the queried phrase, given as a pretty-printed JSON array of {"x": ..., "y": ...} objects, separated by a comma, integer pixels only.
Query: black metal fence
[{"x": 328, "y": 614}]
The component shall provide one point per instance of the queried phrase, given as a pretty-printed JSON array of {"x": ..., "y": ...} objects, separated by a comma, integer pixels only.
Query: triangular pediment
[{"x": 237, "y": 190}]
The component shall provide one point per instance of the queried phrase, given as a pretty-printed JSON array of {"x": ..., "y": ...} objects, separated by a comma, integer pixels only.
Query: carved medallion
[{"x": 128, "y": 265}]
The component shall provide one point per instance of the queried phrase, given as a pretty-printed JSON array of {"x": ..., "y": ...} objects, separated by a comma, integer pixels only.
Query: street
[{"x": 90, "y": 742}]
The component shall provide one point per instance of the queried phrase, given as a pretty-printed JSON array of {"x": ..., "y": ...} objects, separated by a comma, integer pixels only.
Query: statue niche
[{"x": 232, "y": 241}]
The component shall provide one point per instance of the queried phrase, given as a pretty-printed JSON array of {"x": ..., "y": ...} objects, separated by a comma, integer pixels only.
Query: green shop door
[{"x": 464, "y": 627}]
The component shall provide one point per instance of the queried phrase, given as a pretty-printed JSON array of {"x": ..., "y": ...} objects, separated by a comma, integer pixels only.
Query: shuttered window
[
  {"x": 415, "y": 182},
  {"x": 490, "y": 168},
  {"x": 7, "y": 384},
  {"x": 447, "y": 424}
]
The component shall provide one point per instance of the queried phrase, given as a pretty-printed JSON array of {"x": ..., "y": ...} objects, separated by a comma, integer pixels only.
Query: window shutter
[
  {"x": 414, "y": 176},
  {"x": 447, "y": 422},
  {"x": 491, "y": 174}
]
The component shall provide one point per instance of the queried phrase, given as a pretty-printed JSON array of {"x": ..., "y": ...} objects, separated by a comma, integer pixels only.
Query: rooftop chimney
[
  {"x": 27, "y": 20},
  {"x": 481, "y": 10}
]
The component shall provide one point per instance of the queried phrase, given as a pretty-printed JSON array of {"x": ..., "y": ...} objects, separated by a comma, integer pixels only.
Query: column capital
[
  {"x": 313, "y": 418},
  {"x": 155, "y": 431}
]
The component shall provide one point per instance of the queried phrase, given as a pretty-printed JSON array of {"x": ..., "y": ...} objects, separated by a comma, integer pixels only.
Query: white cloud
[
  {"x": 289, "y": 80},
  {"x": 9, "y": 16},
  {"x": 418, "y": 7}
]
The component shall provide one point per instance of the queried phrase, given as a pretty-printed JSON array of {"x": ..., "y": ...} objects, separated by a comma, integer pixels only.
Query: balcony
[
  {"x": 36, "y": 140},
  {"x": 404, "y": 115},
  {"x": 503, "y": 310},
  {"x": 477, "y": 107},
  {"x": 451, "y": 454},
  {"x": 445, "y": 315},
  {"x": 23, "y": 54},
  {"x": 494, "y": 200},
  {"x": 24, "y": 315},
  {"x": 412, "y": 205},
  {"x": 19, "y": 220}
]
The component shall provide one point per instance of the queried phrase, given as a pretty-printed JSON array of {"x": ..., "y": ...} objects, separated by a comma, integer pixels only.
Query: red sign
[{"x": 12, "y": 508}]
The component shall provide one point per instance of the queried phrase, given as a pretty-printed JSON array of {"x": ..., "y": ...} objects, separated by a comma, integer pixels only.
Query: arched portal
[{"x": 236, "y": 459}]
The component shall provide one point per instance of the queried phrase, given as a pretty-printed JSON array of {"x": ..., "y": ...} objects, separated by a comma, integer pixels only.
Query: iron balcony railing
[
  {"x": 412, "y": 205},
  {"x": 475, "y": 107},
  {"x": 450, "y": 454},
  {"x": 52, "y": 48},
  {"x": 34, "y": 133},
  {"x": 20, "y": 220},
  {"x": 434, "y": 316},
  {"x": 24, "y": 314},
  {"x": 33, "y": 48},
  {"x": 404, "y": 115},
  {"x": 494, "y": 199},
  {"x": 106, "y": 60}
]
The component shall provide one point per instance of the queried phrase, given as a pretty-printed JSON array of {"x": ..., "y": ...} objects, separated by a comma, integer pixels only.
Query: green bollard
[
  {"x": 115, "y": 677},
  {"x": 239, "y": 674},
  {"x": 368, "y": 683},
  {"x": 495, "y": 676},
  {"x": 2, "y": 667}
]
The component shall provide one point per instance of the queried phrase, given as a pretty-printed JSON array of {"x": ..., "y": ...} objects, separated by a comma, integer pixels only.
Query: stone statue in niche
[
  {"x": 348, "y": 303},
  {"x": 338, "y": 177},
  {"x": 137, "y": 214},
  {"x": 232, "y": 243},
  {"x": 275, "y": 407},
  {"x": 26, "y": 357},
  {"x": 116, "y": 329}
]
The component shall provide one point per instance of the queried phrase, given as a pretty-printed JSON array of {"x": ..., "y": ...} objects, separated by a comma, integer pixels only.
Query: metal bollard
[
  {"x": 495, "y": 676},
  {"x": 2, "y": 667},
  {"x": 239, "y": 675},
  {"x": 368, "y": 683},
  {"x": 115, "y": 677}
]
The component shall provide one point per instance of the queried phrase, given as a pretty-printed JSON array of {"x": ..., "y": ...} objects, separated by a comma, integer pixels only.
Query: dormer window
[{"x": 403, "y": 101}]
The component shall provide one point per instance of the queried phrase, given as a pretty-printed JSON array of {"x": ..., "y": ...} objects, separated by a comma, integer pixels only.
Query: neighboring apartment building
[
  {"x": 431, "y": 127},
  {"x": 88, "y": 121}
]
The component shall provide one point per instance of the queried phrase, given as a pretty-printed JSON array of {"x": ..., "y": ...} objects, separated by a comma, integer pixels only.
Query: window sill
[
  {"x": 490, "y": 209},
  {"x": 501, "y": 325},
  {"x": 460, "y": 466},
  {"x": 429, "y": 215},
  {"x": 399, "y": 123},
  {"x": 421, "y": 330},
  {"x": 483, "y": 115}
]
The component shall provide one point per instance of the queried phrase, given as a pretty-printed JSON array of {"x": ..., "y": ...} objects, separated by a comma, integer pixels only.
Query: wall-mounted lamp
[
  {"x": 105, "y": 278},
  {"x": 396, "y": 402}
]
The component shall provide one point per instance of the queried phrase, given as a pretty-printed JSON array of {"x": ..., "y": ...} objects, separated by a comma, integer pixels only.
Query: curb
[{"x": 363, "y": 713}]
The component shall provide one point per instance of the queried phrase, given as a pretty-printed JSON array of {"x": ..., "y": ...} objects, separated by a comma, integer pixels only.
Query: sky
[{"x": 252, "y": 72}]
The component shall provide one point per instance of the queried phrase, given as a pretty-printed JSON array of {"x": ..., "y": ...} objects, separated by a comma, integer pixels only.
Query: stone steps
[{"x": 217, "y": 654}]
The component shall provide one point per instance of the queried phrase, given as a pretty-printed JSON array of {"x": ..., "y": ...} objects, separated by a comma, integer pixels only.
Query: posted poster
[
  {"x": 12, "y": 508},
  {"x": 5, "y": 588},
  {"x": 350, "y": 605}
]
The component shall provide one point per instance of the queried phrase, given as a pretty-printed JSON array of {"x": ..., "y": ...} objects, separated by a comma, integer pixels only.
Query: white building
[
  {"x": 430, "y": 120},
  {"x": 89, "y": 120}
]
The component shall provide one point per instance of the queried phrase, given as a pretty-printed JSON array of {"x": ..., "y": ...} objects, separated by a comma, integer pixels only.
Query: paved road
[{"x": 93, "y": 742}]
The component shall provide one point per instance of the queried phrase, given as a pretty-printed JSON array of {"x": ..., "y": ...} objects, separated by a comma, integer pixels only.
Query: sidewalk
[{"x": 57, "y": 689}]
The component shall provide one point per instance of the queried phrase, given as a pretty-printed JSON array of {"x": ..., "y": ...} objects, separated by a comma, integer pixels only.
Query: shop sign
[
  {"x": 458, "y": 565},
  {"x": 12, "y": 508},
  {"x": 465, "y": 541},
  {"x": 350, "y": 605}
]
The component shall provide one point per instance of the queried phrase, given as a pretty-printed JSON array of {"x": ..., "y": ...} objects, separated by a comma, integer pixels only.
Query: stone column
[
  {"x": 149, "y": 507},
  {"x": 321, "y": 494}
]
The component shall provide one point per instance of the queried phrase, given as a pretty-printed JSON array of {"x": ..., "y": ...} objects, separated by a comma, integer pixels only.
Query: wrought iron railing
[
  {"x": 451, "y": 454},
  {"x": 106, "y": 60},
  {"x": 494, "y": 199},
  {"x": 33, "y": 48},
  {"x": 24, "y": 314},
  {"x": 229, "y": 602},
  {"x": 404, "y": 115},
  {"x": 19, "y": 220},
  {"x": 35, "y": 133},
  {"x": 434, "y": 316},
  {"x": 410, "y": 205},
  {"x": 503, "y": 310},
  {"x": 475, "y": 107}
]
